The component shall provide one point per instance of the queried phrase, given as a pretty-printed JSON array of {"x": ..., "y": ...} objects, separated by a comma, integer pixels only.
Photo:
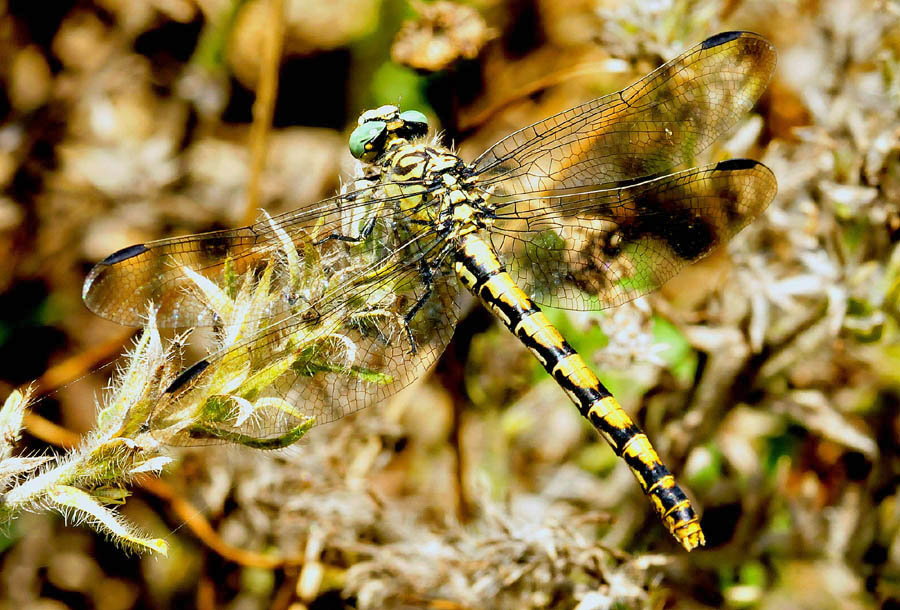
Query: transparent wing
[
  {"x": 327, "y": 235},
  {"x": 660, "y": 121},
  {"x": 351, "y": 347},
  {"x": 603, "y": 247}
]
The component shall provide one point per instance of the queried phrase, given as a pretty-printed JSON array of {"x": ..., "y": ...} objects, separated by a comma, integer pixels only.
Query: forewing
[
  {"x": 350, "y": 350},
  {"x": 164, "y": 272},
  {"x": 601, "y": 248},
  {"x": 662, "y": 120}
]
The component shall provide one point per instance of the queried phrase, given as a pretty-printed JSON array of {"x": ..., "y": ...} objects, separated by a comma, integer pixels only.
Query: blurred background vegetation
[{"x": 768, "y": 376}]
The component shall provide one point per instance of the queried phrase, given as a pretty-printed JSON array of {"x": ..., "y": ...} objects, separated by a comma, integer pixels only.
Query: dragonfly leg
[
  {"x": 428, "y": 268},
  {"x": 411, "y": 314},
  {"x": 480, "y": 270},
  {"x": 363, "y": 235},
  {"x": 428, "y": 280}
]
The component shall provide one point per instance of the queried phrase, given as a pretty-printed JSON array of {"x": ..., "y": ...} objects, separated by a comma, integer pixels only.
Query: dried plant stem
[
  {"x": 75, "y": 366},
  {"x": 475, "y": 118},
  {"x": 264, "y": 106},
  {"x": 202, "y": 528},
  {"x": 45, "y": 430},
  {"x": 59, "y": 436}
]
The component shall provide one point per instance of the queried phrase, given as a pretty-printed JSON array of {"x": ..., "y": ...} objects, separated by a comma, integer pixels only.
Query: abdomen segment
[{"x": 481, "y": 272}]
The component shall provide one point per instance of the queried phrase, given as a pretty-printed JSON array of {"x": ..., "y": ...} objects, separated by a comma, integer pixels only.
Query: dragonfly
[{"x": 582, "y": 210}]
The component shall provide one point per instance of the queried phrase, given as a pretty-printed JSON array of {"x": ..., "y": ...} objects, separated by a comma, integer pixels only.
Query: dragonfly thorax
[
  {"x": 438, "y": 187},
  {"x": 421, "y": 176}
]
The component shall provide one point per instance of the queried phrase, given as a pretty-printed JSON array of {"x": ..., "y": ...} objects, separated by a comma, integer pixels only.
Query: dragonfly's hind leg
[
  {"x": 419, "y": 304},
  {"x": 428, "y": 270}
]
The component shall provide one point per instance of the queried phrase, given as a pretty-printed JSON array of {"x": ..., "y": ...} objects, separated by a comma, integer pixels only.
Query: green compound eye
[
  {"x": 415, "y": 122},
  {"x": 367, "y": 133},
  {"x": 413, "y": 116}
]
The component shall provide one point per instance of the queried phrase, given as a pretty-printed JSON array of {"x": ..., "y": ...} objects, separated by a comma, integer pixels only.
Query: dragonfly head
[{"x": 378, "y": 128}]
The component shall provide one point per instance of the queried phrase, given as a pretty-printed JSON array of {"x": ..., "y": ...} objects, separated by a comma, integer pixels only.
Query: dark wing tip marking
[
  {"x": 721, "y": 38},
  {"x": 94, "y": 301},
  {"x": 736, "y": 164},
  {"x": 186, "y": 375},
  {"x": 124, "y": 254}
]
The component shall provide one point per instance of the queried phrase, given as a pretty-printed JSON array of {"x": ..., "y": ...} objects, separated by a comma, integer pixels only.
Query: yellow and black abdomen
[{"x": 480, "y": 270}]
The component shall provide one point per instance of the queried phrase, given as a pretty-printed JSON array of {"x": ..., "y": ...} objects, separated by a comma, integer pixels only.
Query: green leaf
[
  {"x": 110, "y": 495},
  {"x": 9, "y": 535},
  {"x": 211, "y": 433},
  {"x": 680, "y": 356},
  {"x": 752, "y": 573},
  {"x": 308, "y": 366},
  {"x": 101, "y": 518},
  {"x": 230, "y": 278},
  {"x": 706, "y": 467},
  {"x": 392, "y": 83},
  {"x": 783, "y": 445},
  {"x": 216, "y": 409}
]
